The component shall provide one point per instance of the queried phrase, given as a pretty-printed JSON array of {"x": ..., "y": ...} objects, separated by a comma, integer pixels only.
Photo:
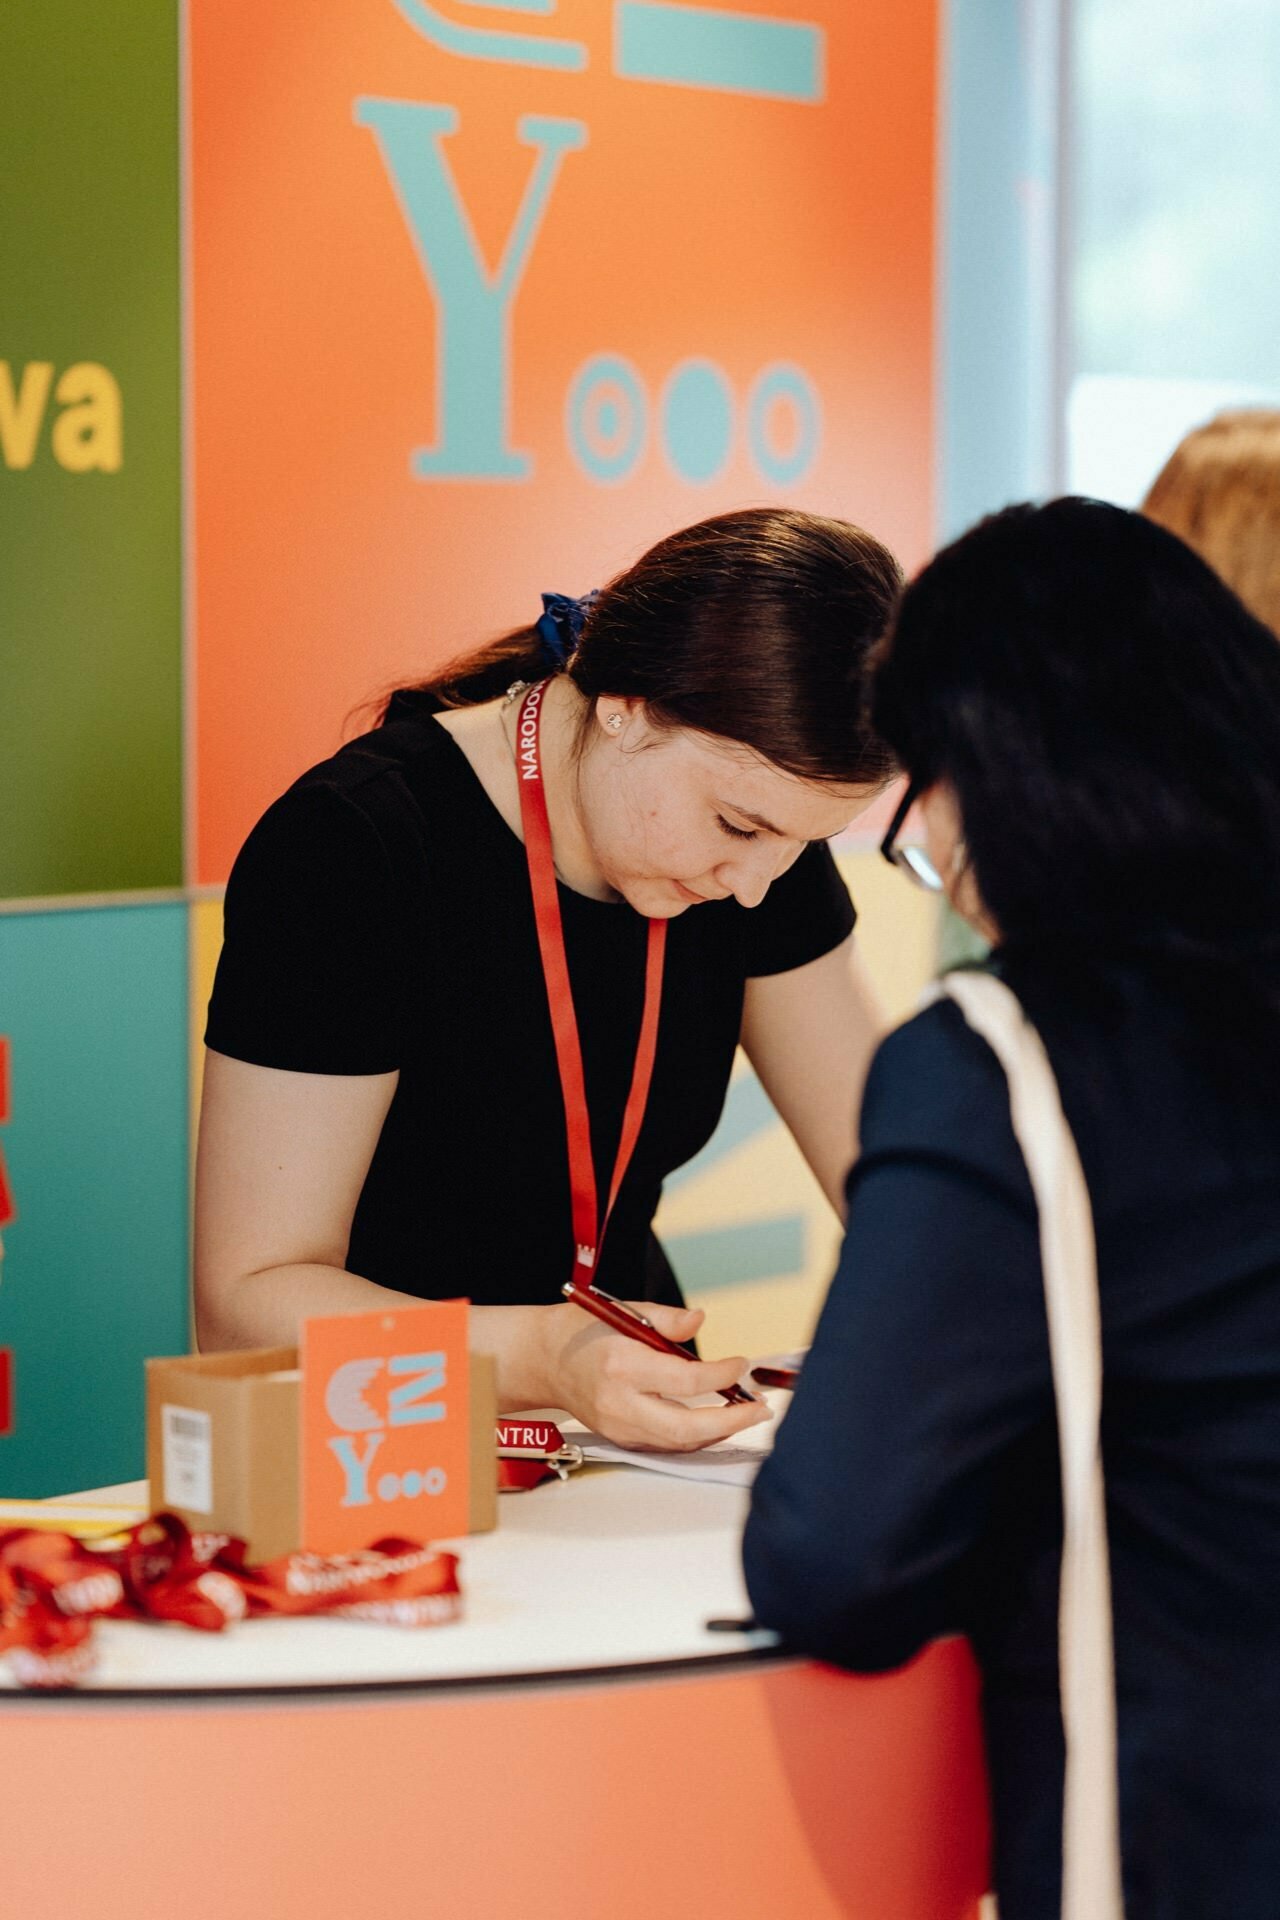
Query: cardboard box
[{"x": 223, "y": 1438}]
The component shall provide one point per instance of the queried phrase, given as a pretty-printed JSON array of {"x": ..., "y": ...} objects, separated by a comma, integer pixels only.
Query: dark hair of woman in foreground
[
  {"x": 1108, "y": 715},
  {"x": 1091, "y": 721},
  {"x": 754, "y": 626}
]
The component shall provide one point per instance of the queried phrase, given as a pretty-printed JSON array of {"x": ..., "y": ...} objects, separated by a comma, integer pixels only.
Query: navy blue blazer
[{"x": 914, "y": 1488}]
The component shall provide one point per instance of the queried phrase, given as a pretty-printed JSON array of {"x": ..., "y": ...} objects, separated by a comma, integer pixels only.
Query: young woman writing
[{"x": 391, "y": 1101}]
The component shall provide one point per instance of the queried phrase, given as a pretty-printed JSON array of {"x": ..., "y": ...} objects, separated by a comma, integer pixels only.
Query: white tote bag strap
[{"x": 1091, "y": 1885}]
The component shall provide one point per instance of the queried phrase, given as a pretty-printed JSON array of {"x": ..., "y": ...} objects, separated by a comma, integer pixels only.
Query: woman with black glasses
[{"x": 1091, "y": 723}]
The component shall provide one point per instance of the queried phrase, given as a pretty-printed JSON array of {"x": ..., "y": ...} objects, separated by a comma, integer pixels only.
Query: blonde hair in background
[{"x": 1220, "y": 492}]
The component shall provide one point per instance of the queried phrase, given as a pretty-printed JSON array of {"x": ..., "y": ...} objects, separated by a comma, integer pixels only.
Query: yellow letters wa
[
  {"x": 87, "y": 434},
  {"x": 88, "y": 431},
  {"x": 21, "y": 414}
]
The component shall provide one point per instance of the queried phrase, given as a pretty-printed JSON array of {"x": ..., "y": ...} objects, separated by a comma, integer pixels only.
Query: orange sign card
[{"x": 384, "y": 1444}]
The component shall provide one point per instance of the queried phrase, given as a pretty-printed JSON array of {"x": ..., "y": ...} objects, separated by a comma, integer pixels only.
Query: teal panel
[
  {"x": 95, "y": 1268},
  {"x": 722, "y": 50},
  {"x": 733, "y": 1256},
  {"x": 90, "y": 518}
]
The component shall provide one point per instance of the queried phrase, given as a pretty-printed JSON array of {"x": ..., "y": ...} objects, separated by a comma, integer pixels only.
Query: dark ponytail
[{"x": 754, "y": 626}]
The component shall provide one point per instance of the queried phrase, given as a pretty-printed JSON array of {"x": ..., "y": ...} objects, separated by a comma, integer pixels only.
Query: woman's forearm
[
  {"x": 266, "y": 1309},
  {"x": 281, "y": 1163}
]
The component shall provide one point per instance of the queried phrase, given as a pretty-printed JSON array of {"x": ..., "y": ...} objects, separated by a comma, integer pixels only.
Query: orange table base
[{"x": 767, "y": 1789}]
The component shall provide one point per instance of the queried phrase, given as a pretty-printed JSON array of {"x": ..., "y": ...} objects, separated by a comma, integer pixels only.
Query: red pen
[
  {"x": 777, "y": 1376},
  {"x": 624, "y": 1319}
]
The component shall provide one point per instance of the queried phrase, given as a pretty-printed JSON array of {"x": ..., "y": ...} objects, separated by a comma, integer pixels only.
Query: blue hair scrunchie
[{"x": 560, "y": 627}]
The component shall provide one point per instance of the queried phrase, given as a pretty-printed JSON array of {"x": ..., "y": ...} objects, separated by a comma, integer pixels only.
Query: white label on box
[{"x": 187, "y": 1437}]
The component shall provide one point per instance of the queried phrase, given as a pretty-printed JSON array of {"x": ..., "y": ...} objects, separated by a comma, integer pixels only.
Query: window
[{"x": 1172, "y": 259}]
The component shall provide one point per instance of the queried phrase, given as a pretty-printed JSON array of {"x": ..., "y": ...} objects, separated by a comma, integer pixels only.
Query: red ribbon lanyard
[{"x": 588, "y": 1225}]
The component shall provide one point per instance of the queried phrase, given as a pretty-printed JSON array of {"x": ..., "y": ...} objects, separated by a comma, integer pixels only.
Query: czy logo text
[{"x": 413, "y": 1402}]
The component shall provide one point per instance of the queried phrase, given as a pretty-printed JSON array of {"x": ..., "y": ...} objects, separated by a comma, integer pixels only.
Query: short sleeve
[
  {"x": 804, "y": 915},
  {"x": 312, "y": 972}
]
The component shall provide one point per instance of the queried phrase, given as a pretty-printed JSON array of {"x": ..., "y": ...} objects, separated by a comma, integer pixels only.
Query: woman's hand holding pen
[{"x": 632, "y": 1394}]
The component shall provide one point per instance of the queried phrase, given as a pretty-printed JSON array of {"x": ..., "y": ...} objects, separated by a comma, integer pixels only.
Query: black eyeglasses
[{"x": 913, "y": 861}]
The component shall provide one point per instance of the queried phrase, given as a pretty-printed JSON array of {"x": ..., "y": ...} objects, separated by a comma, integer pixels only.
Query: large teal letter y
[{"x": 473, "y": 305}]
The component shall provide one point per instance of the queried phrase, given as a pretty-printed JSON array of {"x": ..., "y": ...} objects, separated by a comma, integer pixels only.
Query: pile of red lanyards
[{"x": 53, "y": 1588}]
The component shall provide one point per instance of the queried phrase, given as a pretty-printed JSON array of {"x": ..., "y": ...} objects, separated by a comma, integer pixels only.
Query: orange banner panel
[{"x": 487, "y": 297}]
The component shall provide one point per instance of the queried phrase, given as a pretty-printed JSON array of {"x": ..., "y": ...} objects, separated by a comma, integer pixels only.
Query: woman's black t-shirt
[{"x": 379, "y": 918}]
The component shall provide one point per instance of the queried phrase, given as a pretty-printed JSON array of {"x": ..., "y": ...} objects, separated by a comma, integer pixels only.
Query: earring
[{"x": 614, "y": 722}]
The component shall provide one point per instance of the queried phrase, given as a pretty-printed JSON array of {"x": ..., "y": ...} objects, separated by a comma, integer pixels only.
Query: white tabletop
[{"x": 615, "y": 1568}]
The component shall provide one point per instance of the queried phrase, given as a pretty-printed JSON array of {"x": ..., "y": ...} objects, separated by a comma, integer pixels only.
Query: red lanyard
[{"x": 588, "y": 1225}]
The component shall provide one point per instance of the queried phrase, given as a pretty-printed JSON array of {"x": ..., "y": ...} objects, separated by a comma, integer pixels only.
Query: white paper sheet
[{"x": 727, "y": 1463}]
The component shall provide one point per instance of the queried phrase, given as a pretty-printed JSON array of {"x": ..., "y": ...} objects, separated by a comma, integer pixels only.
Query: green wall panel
[
  {"x": 95, "y": 1267},
  {"x": 90, "y": 517}
]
